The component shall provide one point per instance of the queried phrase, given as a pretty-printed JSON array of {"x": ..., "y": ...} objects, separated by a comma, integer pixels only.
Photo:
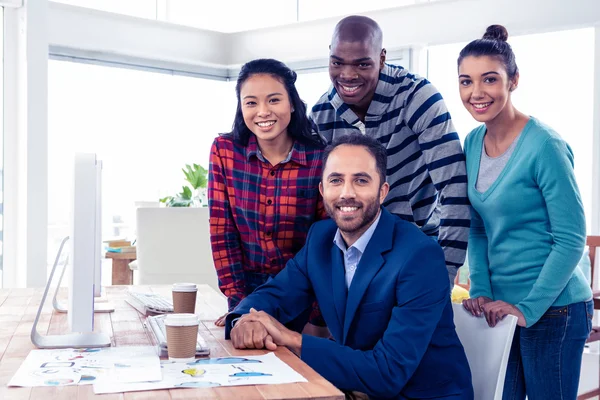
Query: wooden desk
[
  {"x": 121, "y": 273},
  {"x": 19, "y": 306}
]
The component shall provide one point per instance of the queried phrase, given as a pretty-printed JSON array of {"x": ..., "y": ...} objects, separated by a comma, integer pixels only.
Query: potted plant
[{"x": 197, "y": 176}]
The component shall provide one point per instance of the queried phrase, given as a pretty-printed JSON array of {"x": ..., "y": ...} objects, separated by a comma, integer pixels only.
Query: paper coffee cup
[
  {"x": 182, "y": 334},
  {"x": 184, "y": 297}
]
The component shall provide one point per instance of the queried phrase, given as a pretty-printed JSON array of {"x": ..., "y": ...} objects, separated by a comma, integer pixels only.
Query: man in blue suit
[{"x": 382, "y": 287}]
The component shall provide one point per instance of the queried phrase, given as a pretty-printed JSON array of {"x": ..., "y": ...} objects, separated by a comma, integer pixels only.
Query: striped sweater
[{"x": 426, "y": 167}]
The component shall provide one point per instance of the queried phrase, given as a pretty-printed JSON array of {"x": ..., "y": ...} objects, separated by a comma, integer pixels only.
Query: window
[
  {"x": 317, "y": 9},
  {"x": 134, "y": 8},
  {"x": 231, "y": 15},
  {"x": 238, "y": 15},
  {"x": 311, "y": 86},
  {"x": 144, "y": 126}
]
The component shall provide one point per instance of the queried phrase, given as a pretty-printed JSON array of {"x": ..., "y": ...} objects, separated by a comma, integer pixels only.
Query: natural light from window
[
  {"x": 144, "y": 127},
  {"x": 238, "y": 15},
  {"x": 136, "y": 8}
]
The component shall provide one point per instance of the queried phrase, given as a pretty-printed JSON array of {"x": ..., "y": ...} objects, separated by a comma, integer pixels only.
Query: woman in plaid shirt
[{"x": 263, "y": 183}]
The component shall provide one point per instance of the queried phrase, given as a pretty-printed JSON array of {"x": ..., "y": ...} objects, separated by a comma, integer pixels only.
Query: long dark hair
[
  {"x": 493, "y": 44},
  {"x": 299, "y": 127}
]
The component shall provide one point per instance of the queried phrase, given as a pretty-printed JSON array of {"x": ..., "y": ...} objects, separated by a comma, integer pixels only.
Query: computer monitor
[
  {"x": 86, "y": 241},
  {"x": 86, "y": 260}
]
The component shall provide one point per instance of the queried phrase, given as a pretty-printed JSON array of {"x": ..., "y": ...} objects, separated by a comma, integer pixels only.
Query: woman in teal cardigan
[{"x": 527, "y": 228}]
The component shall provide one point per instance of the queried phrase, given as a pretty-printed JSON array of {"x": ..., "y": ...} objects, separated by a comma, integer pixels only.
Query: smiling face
[
  {"x": 266, "y": 107},
  {"x": 485, "y": 87},
  {"x": 351, "y": 190},
  {"x": 354, "y": 70}
]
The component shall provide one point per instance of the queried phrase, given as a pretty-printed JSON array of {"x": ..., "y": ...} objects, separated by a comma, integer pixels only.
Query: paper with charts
[
  {"x": 63, "y": 367},
  {"x": 213, "y": 372}
]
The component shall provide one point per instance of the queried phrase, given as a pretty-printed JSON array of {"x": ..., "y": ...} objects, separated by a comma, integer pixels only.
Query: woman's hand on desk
[{"x": 221, "y": 320}]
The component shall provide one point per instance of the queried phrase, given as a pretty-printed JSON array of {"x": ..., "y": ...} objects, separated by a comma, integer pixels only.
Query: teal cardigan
[{"x": 528, "y": 229}]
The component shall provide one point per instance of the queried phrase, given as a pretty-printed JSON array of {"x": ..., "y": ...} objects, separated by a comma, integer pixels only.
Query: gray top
[{"x": 491, "y": 167}]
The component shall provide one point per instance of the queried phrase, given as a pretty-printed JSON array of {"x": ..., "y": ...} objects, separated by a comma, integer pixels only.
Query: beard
[{"x": 352, "y": 224}]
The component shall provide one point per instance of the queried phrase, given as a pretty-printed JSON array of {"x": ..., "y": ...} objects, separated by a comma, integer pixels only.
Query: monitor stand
[
  {"x": 100, "y": 305},
  {"x": 69, "y": 340}
]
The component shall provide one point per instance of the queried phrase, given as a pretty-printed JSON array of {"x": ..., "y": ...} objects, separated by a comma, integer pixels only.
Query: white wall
[
  {"x": 420, "y": 24},
  {"x": 25, "y": 145},
  {"x": 97, "y": 34},
  {"x": 108, "y": 35}
]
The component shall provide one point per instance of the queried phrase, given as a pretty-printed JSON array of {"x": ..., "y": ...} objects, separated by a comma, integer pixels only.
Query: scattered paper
[
  {"x": 62, "y": 367},
  {"x": 212, "y": 372}
]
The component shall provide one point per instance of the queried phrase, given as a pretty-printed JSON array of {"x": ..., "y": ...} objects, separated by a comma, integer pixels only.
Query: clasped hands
[
  {"x": 493, "y": 311},
  {"x": 259, "y": 330}
]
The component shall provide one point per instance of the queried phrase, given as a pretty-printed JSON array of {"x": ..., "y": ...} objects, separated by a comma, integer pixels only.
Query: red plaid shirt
[{"x": 259, "y": 214}]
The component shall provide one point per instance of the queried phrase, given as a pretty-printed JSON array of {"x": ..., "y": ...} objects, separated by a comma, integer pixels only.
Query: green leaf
[
  {"x": 196, "y": 175},
  {"x": 203, "y": 177},
  {"x": 179, "y": 202},
  {"x": 187, "y": 193}
]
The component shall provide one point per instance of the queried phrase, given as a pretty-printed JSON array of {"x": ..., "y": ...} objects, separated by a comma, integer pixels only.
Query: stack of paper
[
  {"x": 88, "y": 366},
  {"x": 213, "y": 372},
  {"x": 126, "y": 369}
]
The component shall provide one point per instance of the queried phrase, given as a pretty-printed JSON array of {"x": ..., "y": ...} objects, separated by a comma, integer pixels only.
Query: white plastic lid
[
  {"x": 184, "y": 287},
  {"x": 181, "y": 320}
]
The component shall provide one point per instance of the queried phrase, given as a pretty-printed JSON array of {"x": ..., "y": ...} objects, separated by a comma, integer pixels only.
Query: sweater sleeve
[
  {"x": 556, "y": 179},
  {"x": 429, "y": 118},
  {"x": 479, "y": 265}
]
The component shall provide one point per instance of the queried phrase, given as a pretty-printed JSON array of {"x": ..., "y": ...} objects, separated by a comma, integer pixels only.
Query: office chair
[
  {"x": 487, "y": 350},
  {"x": 593, "y": 243},
  {"x": 173, "y": 245}
]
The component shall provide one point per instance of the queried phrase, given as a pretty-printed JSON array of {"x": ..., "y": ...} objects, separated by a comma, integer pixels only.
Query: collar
[
  {"x": 363, "y": 240},
  {"x": 297, "y": 154}
]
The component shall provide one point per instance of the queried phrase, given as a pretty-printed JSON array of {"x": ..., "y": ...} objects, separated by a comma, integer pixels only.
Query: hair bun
[
  {"x": 496, "y": 32},
  {"x": 293, "y": 75}
]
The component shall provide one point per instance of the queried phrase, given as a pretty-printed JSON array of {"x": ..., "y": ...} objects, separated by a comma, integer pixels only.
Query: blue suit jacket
[{"x": 393, "y": 328}]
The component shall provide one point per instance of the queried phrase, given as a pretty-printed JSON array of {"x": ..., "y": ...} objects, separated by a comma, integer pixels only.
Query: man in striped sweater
[{"x": 406, "y": 113}]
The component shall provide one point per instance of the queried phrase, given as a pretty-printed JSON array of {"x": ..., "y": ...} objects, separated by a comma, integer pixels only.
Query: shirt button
[
  {"x": 273, "y": 261},
  {"x": 269, "y": 233},
  {"x": 272, "y": 173},
  {"x": 269, "y": 202}
]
